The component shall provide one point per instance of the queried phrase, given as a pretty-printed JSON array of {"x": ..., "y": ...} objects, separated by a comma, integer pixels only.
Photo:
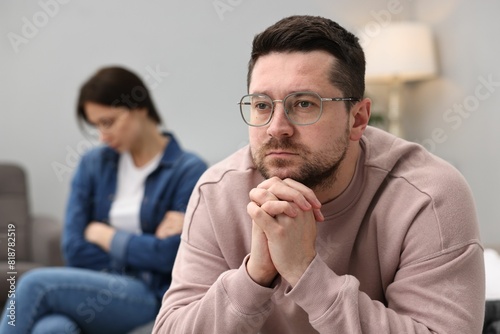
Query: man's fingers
[
  {"x": 260, "y": 196},
  {"x": 318, "y": 215},
  {"x": 285, "y": 193},
  {"x": 289, "y": 190},
  {"x": 308, "y": 193},
  {"x": 265, "y": 213},
  {"x": 274, "y": 190}
]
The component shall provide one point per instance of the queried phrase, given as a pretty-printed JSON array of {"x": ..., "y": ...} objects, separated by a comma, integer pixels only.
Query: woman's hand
[
  {"x": 100, "y": 234},
  {"x": 170, "y": 225}
]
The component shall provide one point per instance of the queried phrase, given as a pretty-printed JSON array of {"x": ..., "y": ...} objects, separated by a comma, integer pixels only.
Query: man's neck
[{"x": 342, "y": 178}]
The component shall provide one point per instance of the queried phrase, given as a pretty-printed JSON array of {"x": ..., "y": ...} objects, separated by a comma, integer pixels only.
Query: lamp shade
[{"x": 402, "y": 51}]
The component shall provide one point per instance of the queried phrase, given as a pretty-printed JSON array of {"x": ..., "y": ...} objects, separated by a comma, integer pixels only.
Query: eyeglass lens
[{"x": 300, "y": 108}]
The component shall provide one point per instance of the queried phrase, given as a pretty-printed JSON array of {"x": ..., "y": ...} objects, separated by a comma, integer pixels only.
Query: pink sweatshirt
[{"x": 399, "y": 252}]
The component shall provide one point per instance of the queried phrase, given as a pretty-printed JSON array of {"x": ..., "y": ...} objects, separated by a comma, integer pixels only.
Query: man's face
[{"x": 309, "y": 154}]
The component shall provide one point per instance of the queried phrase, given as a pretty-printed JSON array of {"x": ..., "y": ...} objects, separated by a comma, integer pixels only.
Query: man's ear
[{"x": 359, "y": 114}]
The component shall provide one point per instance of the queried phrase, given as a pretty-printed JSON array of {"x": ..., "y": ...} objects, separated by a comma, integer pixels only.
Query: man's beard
[{"x": 316, "y": 172}]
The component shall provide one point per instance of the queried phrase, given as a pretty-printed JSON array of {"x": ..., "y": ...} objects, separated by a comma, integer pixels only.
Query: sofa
[{"x": 27, "y": 241}]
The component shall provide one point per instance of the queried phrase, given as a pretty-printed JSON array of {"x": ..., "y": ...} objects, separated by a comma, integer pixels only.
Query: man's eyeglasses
[{"x": 301, "y": 108}]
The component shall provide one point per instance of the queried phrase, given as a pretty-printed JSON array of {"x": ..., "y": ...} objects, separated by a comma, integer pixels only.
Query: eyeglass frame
[
  {"x": 322, "y": 99},
  {"x": 107, "y": 128}
]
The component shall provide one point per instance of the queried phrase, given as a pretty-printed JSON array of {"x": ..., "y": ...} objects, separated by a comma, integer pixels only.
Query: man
[{"x": 323, "y": 224}]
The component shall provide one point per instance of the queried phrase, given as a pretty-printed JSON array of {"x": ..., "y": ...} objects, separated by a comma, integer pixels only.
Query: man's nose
[{"x": 280, "y": 125}]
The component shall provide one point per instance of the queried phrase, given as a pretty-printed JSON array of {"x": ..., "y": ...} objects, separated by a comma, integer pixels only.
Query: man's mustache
[{"x": 282, "y": 144}]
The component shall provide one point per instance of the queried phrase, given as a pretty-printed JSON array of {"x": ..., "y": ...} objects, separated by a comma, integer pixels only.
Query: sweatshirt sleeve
[
  {"x": 232, "y": 303},
  {"x": 206, "y": 295},
  {"x": 440, "y": 294}
]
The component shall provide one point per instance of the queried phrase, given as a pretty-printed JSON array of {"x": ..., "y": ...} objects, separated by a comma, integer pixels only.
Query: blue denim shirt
[{"x": 144, "y": 256}]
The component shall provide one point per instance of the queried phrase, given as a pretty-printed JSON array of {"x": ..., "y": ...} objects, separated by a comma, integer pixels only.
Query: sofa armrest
[{"x": 46, "y": 240}]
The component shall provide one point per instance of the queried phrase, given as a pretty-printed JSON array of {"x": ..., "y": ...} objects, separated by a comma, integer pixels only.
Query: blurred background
[{"x": 193, "y": 56}]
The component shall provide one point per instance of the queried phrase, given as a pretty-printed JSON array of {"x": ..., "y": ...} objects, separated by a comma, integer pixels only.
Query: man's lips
[{"x": 280, "y": 153}]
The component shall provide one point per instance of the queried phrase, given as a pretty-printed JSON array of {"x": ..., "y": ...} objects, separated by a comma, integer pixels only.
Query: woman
[{"x": 123, "y": 220}]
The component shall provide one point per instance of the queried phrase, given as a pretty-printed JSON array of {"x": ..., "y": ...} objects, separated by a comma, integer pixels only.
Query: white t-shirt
[{"x": 126, "y": 207}]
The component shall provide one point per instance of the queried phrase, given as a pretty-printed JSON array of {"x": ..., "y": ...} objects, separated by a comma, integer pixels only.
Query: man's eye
[
  {"x": 262, "y": 106},
  {"x": 304, "y": 104}
]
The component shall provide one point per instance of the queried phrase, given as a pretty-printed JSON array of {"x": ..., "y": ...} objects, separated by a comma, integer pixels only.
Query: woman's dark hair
[
  {"x": 116, "y": 87},
  {"x": 311, "y": 33}
]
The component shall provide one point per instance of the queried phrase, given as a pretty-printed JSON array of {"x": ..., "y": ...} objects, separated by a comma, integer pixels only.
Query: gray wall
[
  {"x": 462, "y": 104},
  {"x": 193, "y": 55}
]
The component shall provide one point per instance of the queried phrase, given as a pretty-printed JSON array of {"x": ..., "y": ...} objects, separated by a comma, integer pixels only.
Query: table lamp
[{"x": 400, "y": 52}]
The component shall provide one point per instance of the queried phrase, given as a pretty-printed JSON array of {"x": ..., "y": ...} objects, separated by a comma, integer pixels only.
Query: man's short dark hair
[{"x": 312, "y": 33}]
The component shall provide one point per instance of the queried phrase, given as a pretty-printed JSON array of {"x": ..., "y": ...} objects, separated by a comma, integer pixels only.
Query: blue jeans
[{"x": 72, "y": 300}]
